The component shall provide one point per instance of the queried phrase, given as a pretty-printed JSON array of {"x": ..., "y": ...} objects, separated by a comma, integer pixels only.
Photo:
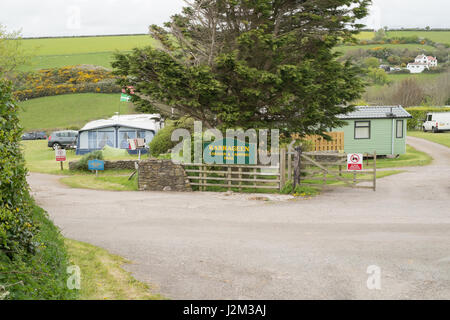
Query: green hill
[
  {"x": 69, "y": 111},
  {"x": 58, "y": 52}
]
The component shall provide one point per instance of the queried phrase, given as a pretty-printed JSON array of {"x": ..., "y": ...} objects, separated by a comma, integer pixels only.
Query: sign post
[
  {"x": 60, "y": 155},
  {"x": 355, "y": 162}
]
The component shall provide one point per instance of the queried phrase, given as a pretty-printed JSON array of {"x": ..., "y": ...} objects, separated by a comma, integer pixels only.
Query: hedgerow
[
  {"x": 419, "y": 114},
  {"x": 32, "y": 252}
]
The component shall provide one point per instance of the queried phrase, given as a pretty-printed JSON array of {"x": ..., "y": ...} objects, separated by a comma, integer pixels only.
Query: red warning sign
[{"x": 354, "y": 162}]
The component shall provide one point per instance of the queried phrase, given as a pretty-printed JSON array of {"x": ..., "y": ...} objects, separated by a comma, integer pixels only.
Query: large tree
[{"x": 250, "y": 64}]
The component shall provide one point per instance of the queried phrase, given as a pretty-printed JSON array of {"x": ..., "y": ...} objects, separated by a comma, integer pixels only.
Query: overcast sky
[{"x": 91, "y": 17}]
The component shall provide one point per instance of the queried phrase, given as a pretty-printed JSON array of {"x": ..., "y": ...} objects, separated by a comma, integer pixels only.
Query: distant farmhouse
[{"x": 421, "y": 63}]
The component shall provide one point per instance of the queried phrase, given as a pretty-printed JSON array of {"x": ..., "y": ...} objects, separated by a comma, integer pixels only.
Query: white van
[{"x": 437, "y": 122}]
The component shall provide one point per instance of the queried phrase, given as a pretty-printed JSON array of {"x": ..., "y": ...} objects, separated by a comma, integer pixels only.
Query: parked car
[
  {"x": 63, "y": 139},
  {"x": 36, "y": 135},
  {"x": 437, "y": 122}
]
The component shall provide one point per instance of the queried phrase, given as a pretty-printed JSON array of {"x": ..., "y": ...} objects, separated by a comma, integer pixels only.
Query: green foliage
[
  {"x": 69, "y": 79},
  {"x": 419, "y": 114},
  {"x": 12, "y": 55},
  {"x": 16, "y": 228},
  {"x": 299, "y": 190},
  {"x": 372, "y": 62},
  {"x": 82, "y": 164},
  {"x": 39, "y": 276},
  {"x": 279, "y": 71},
  {"x": 378, "y": 76},
  {"x": 162, "y": 142}
]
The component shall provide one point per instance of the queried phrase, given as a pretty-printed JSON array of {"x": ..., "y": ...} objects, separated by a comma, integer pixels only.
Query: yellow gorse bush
[{"x": 69, "y": 79}]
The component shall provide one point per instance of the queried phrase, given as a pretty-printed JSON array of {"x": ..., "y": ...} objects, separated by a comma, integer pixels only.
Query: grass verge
[
  {"x": 102, "y": 276},
  {"x": 442, "y": 138},
  {"x": 102, "y": 182},
  {"x": 411, "y": 158},
  {"x": 41, "y": 276}
]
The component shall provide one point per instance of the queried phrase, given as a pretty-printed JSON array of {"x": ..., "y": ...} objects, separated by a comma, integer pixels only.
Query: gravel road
[{"x": 211, "y": 246}]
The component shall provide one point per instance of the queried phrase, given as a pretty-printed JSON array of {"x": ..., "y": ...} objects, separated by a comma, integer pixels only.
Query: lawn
[
  {"x": 58, "y": 52},
  {"x": 411, "y": 158},
  {"x": 69, "y": 111},
  {"x": 102, "y": 276},
  {"x": 441, "y": 138},
  {"x": 436, "y": 36}
]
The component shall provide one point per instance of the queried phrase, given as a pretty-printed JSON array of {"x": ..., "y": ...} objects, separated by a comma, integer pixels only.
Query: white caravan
[{"x": 437, "y": 122}]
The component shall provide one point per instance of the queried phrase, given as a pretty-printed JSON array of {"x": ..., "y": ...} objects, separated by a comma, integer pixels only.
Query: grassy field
[
  {"x": 69, "y": 111},
  {"x": 345, "y": 49},
  {"x": 418, "y": 76},
  {"x": 411, "y": 158},
  {"x": 436, "y": 36},
  {"x": 57, "y": 52},
  {"x": 102, "y": 277},
  {"x": 441, "y": 138}
]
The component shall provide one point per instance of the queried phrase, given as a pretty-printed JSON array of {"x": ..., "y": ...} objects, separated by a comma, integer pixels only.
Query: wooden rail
[{"x": 235, "y": 176}]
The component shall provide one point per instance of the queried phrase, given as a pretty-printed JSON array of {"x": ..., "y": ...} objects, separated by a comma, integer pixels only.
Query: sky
[{"x": 102, "y": 17}]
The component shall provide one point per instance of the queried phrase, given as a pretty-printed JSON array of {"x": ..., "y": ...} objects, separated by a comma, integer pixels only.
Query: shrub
[
  {"x": 162, "y": 142},
  {"x": 419, "y": 113},
  {"x": 41, "y": 275},
  {"x": 82, "y": 164},
  {"x": 16, "y": 228}
]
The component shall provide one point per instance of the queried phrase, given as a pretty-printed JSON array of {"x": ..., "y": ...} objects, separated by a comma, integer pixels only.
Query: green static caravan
[{"x": 381, "y": 129}]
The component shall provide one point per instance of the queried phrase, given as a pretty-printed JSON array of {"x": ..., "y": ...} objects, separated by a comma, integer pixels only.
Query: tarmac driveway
[{"x": 210, "y": 246}]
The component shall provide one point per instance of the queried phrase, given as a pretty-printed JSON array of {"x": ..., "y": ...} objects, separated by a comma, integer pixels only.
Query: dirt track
[{"x": 208, "y": 246}]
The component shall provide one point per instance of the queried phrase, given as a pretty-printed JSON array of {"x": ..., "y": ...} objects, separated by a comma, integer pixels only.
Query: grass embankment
[
  {"x": 69, "y": 111},
  {"x": 102, "y": 276},
  {"x": 441, "y": 137},
  {"x": 58, "y": 52},
  {"x": 42, "y": 275}
]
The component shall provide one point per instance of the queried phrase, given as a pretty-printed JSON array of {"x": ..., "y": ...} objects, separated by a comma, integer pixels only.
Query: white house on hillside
[{"x": 421, "y": 63}]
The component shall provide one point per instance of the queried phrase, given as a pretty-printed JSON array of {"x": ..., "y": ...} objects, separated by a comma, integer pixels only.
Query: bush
[
  {"x": 42, "y": 275},
  {"x": 162, "y": 142},
  {"x": 82, "y": 164},
  {"x": 419, "y": 113},
  {"x": 16, "y": 228}
]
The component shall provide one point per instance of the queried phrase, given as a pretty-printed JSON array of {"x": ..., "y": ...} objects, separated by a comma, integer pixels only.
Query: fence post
[
  {"x": 289, "y": 165},
  {"x": 374, "y": 171},
  {"x": 282, "y": 169},
  {"x": 240, "y": 177},
  {"x": 229, "y": 178},
  {"x": 297, "y": 164}
]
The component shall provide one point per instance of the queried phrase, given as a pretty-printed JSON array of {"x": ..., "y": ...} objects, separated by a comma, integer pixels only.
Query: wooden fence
[
  {"x": 320, "y": 144},
  {"x": 233, "y": 176}
]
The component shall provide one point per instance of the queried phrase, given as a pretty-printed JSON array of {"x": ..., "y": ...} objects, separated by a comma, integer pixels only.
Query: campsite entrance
[{"x": 316, "y": 169}]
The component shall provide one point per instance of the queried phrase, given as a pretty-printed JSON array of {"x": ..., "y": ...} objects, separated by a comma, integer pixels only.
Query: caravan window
[
  {"x": 399, "y": 129},
  {"x": 98, "y": 139},
  {"x": 124, "y": 135},
  {"x": 362, "y": 129}
]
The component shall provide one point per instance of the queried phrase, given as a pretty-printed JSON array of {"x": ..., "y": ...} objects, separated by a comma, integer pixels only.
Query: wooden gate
[
  {"x": 327, "y": 169},
  {"x": 221, "y": 177}
]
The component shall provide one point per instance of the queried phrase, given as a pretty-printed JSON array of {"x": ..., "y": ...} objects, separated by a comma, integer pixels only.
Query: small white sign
[
  {"x": 354, "y": 162},
  {"x": 60, "y": 154}
]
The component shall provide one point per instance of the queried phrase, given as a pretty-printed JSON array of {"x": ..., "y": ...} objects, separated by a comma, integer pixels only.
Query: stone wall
[
  {"x": 109, "y": 165},
  {"x": 162, "y": 175}
]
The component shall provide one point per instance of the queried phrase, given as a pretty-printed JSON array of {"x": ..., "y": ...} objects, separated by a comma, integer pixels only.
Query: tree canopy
[
  {"x": 11, "y": 53},
  {"x": 250, "y": 64}
]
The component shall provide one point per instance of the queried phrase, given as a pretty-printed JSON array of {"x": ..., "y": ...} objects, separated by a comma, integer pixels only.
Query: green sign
[
  {"x": 125, "y": 97},
  {"x": 229, "y": 151}
]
